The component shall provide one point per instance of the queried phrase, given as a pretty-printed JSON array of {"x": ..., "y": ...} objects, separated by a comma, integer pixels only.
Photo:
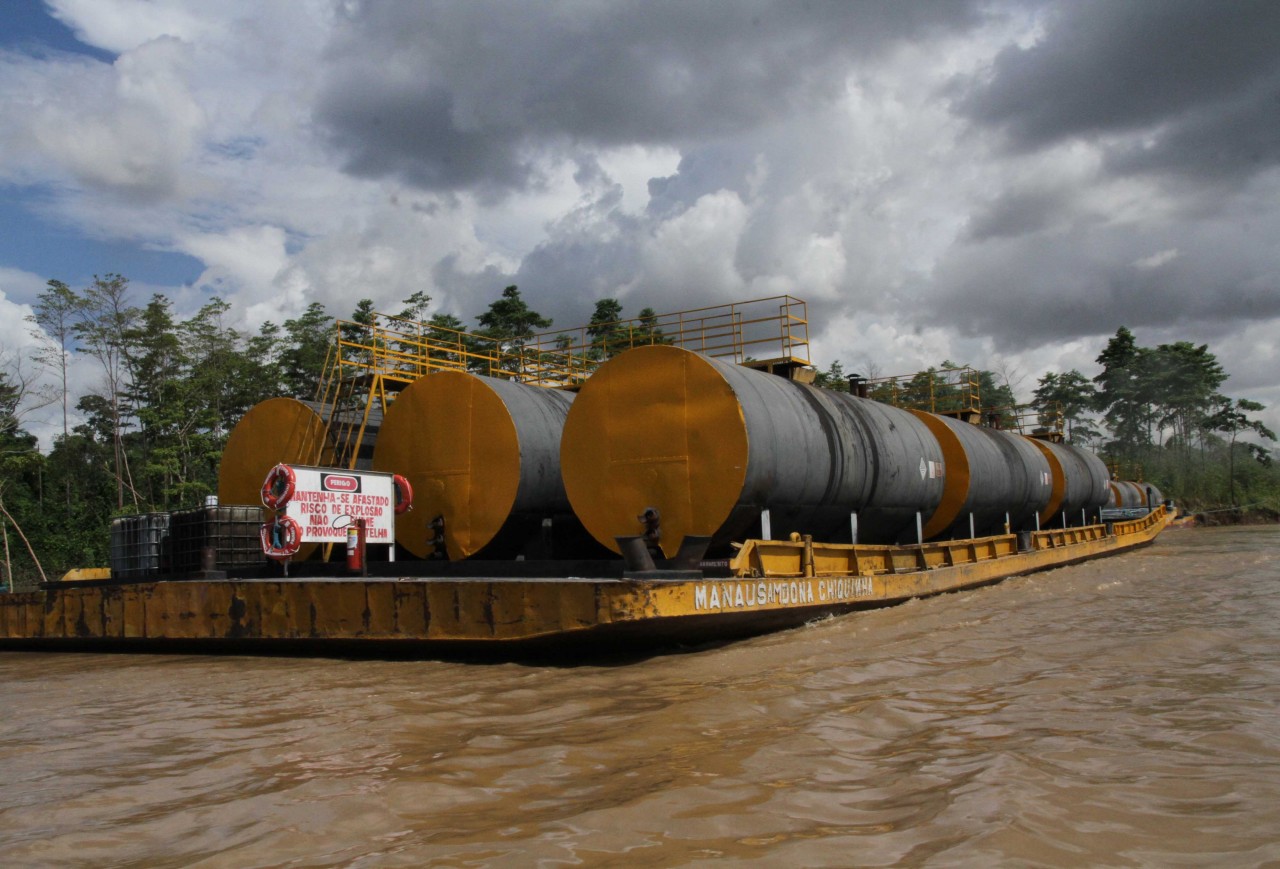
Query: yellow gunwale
[{"x": 774, "y": 584}]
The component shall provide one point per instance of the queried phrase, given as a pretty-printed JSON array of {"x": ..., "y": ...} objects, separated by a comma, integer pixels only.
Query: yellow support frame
[{"x": 369, "y": 363}]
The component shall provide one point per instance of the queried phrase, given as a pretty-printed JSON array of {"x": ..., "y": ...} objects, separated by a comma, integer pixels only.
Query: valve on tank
[
  {"x": 652, "y": 522},
  {"x": 440, "y": 551}
]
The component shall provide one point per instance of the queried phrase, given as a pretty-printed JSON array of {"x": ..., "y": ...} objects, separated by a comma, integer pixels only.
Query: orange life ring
[
  {"x": 404, "y": 494},
  {"x": 282, "y": 538},
  {"x": 279, "y": 486}
]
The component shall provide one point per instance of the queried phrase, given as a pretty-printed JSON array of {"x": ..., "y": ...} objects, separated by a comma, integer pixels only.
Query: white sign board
[{"x": 326, "y": 500}]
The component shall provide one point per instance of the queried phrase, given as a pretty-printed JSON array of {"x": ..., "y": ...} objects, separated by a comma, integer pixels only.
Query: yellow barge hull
[{"x": 774, "y": 584}]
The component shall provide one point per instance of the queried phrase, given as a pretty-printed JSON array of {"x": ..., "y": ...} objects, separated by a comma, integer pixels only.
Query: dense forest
[
  {"x": 168, "y": 391},
  {"x": 1153, "y": 413}
]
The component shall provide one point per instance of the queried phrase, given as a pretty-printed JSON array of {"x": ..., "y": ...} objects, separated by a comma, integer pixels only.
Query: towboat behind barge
[{"x": 770, "y": 585}]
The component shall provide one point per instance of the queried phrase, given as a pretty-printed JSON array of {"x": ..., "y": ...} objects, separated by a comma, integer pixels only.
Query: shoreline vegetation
[{"x": 1254, "y": 514}]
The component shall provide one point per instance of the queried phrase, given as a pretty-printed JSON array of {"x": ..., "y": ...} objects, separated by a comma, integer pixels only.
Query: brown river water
[{"x": 1124, "y": 712}]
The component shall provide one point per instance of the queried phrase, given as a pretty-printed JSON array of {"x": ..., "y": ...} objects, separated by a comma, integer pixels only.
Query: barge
[
  {"x": 671, "y": 495},
  {"x": 769, "y": 585}
]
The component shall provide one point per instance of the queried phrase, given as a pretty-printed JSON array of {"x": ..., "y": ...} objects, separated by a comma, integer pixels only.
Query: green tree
[
  {"x": 510, "y": 318},
  {"x": 361, "y": 348},
  {"x": 359, "y": 329},
  {"x": 266, "y": 350},
  {"x": 223, "y": 379},
  {"x": 226, "y": 371},
  {"x": 82, "y": 463},
  {"x": 415, "y": 307},
  {"x": 1124, "y": 394},
  {"x": 412, "y": 351},
  {"x": 608, "y": 334},
  {"x": 932, "y": 390},
  {"x": 21, "y": 477},
  {"x": 305, "y": 344},
  {"x": 1184, "y": 381},
  {"x": 450, "y": 346},
  {"x": 1232, "y": 417},
  {"x": 155, "y": 398},
  {"x": 103, "y": 319},
  {"x": 53, "y": 319},
  {"x": 833, "y": 378},
  {"x": 997, "y": 397},
  {"x": 1072, "y": 395},
  {"x": 510, "y": 322},
  {"x": 647, "y": 330}
]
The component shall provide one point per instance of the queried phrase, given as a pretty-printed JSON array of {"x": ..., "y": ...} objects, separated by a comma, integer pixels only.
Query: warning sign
[{"x": 326, "y": 500}]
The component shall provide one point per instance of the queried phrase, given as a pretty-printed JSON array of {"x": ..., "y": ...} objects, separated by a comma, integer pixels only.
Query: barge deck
[{"x": 771, "y": 585}]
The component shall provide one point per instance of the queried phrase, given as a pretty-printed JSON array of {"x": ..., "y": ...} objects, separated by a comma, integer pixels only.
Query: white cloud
[
  {"x": 18, "y": 284},
  {"x": 1156, "y": 259},
  {"x": 633, "y": 166},
  {"x": 41, "y": 411},
  {"x": 127, "y": 129},
  {"x": 245, "y": 259},
  {"x": 15, "y": 334},
  {"x": 696, "y": 250}
]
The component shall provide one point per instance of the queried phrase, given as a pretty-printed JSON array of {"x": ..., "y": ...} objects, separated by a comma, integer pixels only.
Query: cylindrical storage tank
[
  {"x": 1130, "y": 494},
  {"x": 1080, "y": 482},
  {"x": 1152, "y": 497},
  {"x": 482, "y": 453},
  {"x": 990, "y": 474},
  {"x": 710, "y": 445},
  {"x": 1125, "y": 495},
  {"x": 272, "y": 431}
]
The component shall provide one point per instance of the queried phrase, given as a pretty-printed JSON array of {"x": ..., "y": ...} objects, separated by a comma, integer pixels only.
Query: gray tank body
[
  {"x": 816, "y": 455},
  {"x": 1085, "y": 485},
  {"x": 1008, "y": 478}
]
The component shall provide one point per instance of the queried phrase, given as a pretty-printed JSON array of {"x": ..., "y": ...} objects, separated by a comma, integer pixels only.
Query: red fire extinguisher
[{"x": 355, "y": 548}]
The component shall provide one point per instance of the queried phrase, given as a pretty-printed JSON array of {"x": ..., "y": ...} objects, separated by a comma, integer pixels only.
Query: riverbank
[{"x": 1256, "y": 514}]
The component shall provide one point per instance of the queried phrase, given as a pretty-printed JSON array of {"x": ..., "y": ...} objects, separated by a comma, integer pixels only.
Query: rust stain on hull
[{"x": 779, "y": 584}]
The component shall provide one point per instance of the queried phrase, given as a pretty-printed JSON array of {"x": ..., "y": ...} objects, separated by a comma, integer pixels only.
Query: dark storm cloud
[
  {"x": 1205, "y": 277},
  {"x": 1016, "y": 212},
  {"x": 1185, "y": 85},
  {"x": 386, "y": 136},
  {"x": 457, "y": 95},
  {"x": 706, "y": 170}
]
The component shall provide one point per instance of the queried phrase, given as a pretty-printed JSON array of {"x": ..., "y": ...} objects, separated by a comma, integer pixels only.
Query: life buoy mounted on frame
[
  {"x": 279, "y": 486},
  {"x": 281, "y": 538},
  {"x": 404, "y": 494}
]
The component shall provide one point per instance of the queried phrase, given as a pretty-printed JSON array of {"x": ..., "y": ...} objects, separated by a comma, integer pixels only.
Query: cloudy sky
[{"x": 998, "y": 183}]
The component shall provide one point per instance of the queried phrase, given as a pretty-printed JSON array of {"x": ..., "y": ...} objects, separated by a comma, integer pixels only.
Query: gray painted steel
[
  {"x": 1133, "y": 494},
  {"x": 1152, "y": 497},
  {"x": 538, "y": 415},
  {"x": 1007, "y": 474},
  {"x": 815, "y": 455},
  {"x": 1130, "y": 495},
  {"x": 1087, "y": 483}
]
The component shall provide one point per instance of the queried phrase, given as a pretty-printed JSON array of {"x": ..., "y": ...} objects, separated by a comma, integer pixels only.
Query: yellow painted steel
[
  {"x": 86, "y": 574},
  {"x": 655, "y": 427},
  {"x": 951, "y": 391},
  {"x": 765, "y": 558},
  {"x": 273, "y": 431},
  {"x": 453, "y": 439},
  {"x": 494, "y": 611},
  {"x": 1116, "y": 497},
  {"x": 402, "y": 350},
  {"x": 955, "y": 484}
]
